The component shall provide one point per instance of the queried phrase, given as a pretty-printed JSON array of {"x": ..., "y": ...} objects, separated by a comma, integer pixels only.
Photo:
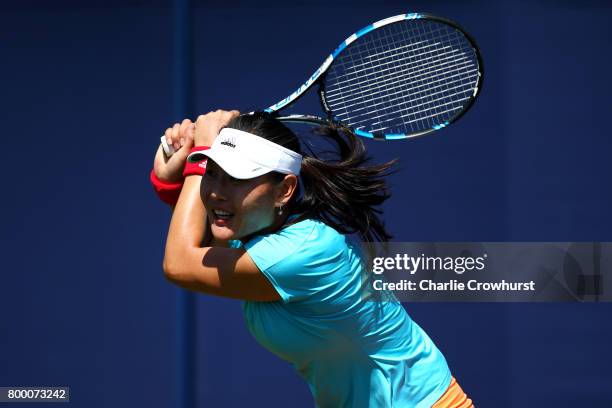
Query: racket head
[{"x": 402, "y": 77}]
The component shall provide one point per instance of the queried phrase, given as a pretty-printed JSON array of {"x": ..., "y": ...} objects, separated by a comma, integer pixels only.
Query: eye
[{"x": 210, "y": 173}]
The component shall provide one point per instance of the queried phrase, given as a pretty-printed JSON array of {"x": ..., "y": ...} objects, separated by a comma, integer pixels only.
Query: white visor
[{"x": 244, "y": 155}]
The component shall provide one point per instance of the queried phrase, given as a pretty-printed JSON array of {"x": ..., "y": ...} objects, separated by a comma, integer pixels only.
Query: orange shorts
[{"x": 453, "y": 397}]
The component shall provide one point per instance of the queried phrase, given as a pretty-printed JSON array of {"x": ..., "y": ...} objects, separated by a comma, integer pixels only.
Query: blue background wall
[{"x": 86, "y": 92}]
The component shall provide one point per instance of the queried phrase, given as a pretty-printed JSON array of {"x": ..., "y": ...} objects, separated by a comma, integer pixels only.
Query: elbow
[
  {"x": 171, "y": 270},
  {"x": 179, "y": 265}
]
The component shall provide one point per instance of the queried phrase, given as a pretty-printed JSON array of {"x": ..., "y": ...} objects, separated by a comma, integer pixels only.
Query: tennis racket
[{"x": 397, "y": 78}]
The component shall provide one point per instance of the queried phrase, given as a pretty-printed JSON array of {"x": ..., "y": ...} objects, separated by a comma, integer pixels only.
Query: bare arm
[{"x": 215, "y": 270}]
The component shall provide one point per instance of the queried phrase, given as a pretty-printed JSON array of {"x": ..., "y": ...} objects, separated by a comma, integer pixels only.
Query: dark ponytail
[{"x": 344, "y": 192}]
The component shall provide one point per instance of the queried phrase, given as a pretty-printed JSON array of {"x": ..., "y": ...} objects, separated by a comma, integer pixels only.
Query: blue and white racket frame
[{"x": 317, "y": 78}]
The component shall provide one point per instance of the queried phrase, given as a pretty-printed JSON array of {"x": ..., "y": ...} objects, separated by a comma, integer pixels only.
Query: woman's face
[{"x": 238, "y": 208}]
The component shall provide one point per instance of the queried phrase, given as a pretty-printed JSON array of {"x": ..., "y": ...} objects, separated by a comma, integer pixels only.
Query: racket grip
[{"x": 169, "y": 150}]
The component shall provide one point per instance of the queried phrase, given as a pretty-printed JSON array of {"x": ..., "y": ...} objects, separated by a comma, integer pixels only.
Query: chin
[{"x": 223, "y": 233}]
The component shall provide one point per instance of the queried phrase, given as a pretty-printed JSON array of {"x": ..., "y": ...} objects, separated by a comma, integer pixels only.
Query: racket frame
[{"x": 318, "y": 78}]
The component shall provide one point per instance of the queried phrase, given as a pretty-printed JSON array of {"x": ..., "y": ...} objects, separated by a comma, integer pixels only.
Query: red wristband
[
  {"x": 167, "y": 192},
  {"x": 198, "y": 167}
]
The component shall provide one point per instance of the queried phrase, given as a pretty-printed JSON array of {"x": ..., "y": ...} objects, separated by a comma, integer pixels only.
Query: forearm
[
  {"x": 191, "y": 263},
  {"x": 188, "y": 224}
]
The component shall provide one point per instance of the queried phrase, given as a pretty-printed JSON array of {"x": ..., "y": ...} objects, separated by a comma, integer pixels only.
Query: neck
[{"x": 279, "y": 222}]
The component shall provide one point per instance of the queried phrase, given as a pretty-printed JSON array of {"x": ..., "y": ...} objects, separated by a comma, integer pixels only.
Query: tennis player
[{"x": 259, "y": 220}]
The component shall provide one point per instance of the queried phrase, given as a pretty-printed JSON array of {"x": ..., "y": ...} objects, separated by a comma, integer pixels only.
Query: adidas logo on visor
[{"x": 230, "y": 142}]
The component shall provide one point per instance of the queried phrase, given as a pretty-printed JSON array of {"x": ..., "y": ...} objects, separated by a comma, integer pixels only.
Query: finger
[
  {"x": 190, "y": 133},
  {"x": 187, "y": 139},
  {"x": 228, "y": 116},
  {"x": 182, "y": 153},
  {"x": 220, "y": 114},
  {"x": 176, "y": 136},
  {"x": 159, "y": 163},
  {"x": 168, "y": 134},
  {"x": 201, "y": 119},
  {"x": 185, "y": 124},
  {"x": 159, "y": 155}
]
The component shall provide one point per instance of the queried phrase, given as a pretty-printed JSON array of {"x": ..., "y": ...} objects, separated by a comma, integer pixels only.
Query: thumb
[
  {"x": 187, "y": 143},
  {"x": 190, "y": 132},
  {"x": 181, "y": 154}
]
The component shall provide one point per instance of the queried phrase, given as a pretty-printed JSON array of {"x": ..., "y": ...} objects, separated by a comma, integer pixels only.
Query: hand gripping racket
[{"x": 397, "y": 78}]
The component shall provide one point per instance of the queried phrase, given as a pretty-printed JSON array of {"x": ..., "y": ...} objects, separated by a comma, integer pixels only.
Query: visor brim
[{"x": 233, "y": 163}]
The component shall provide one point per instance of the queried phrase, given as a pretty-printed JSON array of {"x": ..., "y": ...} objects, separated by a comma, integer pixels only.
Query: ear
[{"x": 286, "y": 189}]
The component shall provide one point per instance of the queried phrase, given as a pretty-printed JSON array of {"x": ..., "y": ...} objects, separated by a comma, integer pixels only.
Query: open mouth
[{"x": 222, "y": 215}]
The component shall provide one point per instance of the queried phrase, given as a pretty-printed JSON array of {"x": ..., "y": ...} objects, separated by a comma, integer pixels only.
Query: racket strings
[
  {"x": 440, "y": 108},
  {"x": 427, "y": 87},
  {"x": 368, "y": 64},
  {"x": 404, "y": 73},
  {"x": 418, "y": 56},
  {"x": 403, "y": 78}
]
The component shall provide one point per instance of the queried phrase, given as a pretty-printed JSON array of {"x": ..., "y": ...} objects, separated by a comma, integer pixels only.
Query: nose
[
  {"x": 212, "y": 189},
  {"x": 216, "y": 195}
]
